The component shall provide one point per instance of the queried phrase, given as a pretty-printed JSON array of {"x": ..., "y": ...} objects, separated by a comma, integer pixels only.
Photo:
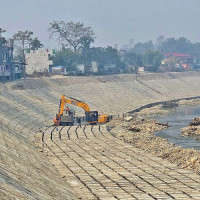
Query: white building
[
  {"x": 80, "y": 68},
  {"x": 38, "y": 61},
  {"x": 140, "y": 69},
  {"x": 94, "y": 67}
]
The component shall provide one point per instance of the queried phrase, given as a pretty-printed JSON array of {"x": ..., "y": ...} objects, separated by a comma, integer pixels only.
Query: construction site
[{"x": 41, "y": 160}]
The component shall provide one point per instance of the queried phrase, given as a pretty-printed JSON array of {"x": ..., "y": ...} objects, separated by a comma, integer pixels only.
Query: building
[
  {"x": 93, "y": 67},
  {"x": 9, "y": 70},
  {"x": 179, "y": 61},
  {"x": 18, "y": 69},
  {"x": 38, "y": 61},
  {"x": 79, "y": 69},
  {"x": 110, "y": 67},
  {"x": 141, "y": 69},
  {"x": 56, "y": 70},
  {"x": 185, "y": 57}
]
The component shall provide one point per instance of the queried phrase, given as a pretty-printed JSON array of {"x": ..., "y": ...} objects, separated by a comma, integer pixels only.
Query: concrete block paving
[{"x": 99, "y": 166}]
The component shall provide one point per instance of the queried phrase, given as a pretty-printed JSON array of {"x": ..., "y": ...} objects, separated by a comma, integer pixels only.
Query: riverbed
[{"x": 180, "y": 117}]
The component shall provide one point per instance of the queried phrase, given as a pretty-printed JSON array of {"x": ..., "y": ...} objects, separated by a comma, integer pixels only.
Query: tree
[
  {"x": 183, "y": 45},
  {"x": 72, "y": 34},
  {"x": 66, "y": 57},
  {"x": 180, "y": 45},
  {"x": 131, "y": 43},
  {"x": 153, "y": 58},
  {"x": 194, "y": 50},
  {"x": 35, "y": 44},
  {"x": 132, "y": 59},
  {"x": 141, "y": 48},
  {"x": 2, "y": 39},
  {"x": 22, "y": 42},
  {"x": 85, "y": 48},
  {"x": 105, "y": 56},
  {"x": 111, "y": 55},
  {"x": 98, "y": 54},
  {"x": 160, "y": 39}
]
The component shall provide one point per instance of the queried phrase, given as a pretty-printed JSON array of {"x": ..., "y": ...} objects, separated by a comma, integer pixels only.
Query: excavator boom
[{"x": 75, "y": 102}]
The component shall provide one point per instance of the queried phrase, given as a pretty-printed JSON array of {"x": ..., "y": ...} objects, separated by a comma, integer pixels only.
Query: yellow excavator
[{"x": 92, "y": 117}]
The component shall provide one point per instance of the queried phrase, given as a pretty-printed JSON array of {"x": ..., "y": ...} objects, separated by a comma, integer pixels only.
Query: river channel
[{"x": 178, "y": 119}]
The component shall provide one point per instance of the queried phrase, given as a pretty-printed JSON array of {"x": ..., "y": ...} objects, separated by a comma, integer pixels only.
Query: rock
[
  {"x": 193, "y": 129},
  {"x": 134, "y": 129},
  {"x": 196, "y": 122},
  {"x": 169, "y": 104},
  {"x": 128, "y": 119}
]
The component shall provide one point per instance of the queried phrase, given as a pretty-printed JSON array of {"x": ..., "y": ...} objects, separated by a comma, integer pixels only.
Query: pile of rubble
[
  {"x": 169, "y": 105},
  {"x": 189, "y": 102},
  {"x": 141, "y": 135},
  {"x": 193, "y": 129},
  {"x": 158, "y": 109}
]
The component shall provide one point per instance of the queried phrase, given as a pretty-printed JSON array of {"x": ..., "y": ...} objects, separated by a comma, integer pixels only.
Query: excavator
[{"x": 92, "y": 117}]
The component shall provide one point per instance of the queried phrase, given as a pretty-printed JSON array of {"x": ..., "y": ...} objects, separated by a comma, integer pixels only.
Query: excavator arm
[{"x": 75, "y": 102}]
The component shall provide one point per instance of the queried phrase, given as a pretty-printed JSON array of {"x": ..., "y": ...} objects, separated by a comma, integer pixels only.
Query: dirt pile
[
  {"x": 193, "y": 129},
  {"x": 141, "y": 135},
  {"x": 146, "y": 126}
]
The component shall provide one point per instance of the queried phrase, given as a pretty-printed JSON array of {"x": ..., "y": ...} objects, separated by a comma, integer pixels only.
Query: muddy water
[{"x": 178, "y": 119}]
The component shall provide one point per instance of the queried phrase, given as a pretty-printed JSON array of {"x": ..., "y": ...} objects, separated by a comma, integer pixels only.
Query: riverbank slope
[{"x": 28, "y": 105}]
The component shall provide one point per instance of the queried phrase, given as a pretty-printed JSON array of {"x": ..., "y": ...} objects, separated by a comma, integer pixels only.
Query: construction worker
[
  {"x": 67, "y": 110},
  {"x": 55, "y": 121},
  {"x": 79, "y": 121}
]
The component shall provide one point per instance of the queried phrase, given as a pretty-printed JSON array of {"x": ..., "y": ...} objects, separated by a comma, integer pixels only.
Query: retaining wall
[{"x": 27, "y": 105}]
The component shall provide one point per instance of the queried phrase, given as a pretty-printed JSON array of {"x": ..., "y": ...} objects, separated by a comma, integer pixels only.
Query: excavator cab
[
  {"x": 92, "y": 116},
  {"x": 67, "y": 120}
]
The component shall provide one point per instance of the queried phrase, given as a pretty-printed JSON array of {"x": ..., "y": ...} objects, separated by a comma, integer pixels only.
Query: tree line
[{"x": 75, "y": 39}]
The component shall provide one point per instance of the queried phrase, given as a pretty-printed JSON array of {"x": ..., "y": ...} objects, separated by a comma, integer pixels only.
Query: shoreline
[
  {"x": 187, "y": 158},
  {"x": 182, "y": 101}
]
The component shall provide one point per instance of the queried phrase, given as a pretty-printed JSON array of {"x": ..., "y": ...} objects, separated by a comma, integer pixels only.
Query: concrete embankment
[
  {"x": 118, "y": 93},
  {"x": 27, "y": 105}
]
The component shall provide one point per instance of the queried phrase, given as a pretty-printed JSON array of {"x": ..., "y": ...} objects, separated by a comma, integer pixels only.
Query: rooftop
[{"x": 179, "y": 55}]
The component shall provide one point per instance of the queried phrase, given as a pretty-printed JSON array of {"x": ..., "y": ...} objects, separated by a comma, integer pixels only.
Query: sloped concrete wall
[{"x": 27, "y": 105}]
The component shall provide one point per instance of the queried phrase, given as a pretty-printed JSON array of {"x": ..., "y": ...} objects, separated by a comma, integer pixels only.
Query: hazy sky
[{"x": 113, "y": 21}]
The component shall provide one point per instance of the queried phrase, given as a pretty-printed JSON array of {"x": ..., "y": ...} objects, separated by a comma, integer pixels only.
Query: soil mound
[{"x": 193, "y": 129}]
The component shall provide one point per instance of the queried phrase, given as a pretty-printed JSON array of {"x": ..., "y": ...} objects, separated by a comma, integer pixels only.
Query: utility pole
[{"x": 12, "y": 65}]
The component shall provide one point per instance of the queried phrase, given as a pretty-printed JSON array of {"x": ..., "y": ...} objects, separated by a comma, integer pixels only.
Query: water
[{"x": 178, "y": 119}]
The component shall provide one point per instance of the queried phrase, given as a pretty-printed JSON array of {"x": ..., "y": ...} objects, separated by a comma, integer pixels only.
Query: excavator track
[{"x": 99, "y": 166}]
